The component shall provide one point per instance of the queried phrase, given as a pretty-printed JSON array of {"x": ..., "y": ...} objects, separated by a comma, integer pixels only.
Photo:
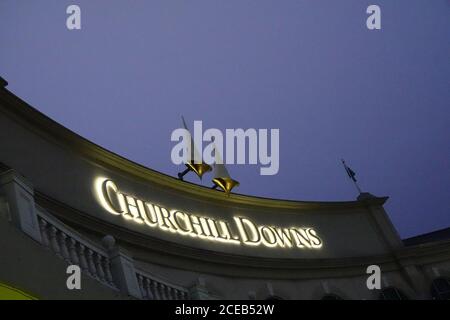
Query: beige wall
[
  {"x": 62, "y": 168},
  {"x": 59, "y": 172}
]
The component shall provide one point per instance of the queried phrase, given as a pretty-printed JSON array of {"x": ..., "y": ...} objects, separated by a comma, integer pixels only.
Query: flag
[{"x": 350, "y": 172}]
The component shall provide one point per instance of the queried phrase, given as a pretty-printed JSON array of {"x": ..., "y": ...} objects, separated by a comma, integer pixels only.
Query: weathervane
[
  {"x": 221, "y": 178},
  {"x": 198, "y": 168},
  {"x": 351, "y": 174}
]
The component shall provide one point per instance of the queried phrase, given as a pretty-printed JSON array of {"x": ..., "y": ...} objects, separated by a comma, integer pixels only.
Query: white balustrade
[
  {"x": 153, "y": 288},
  {"x": 74, "y": 249},
  {"x": 108, "y": 263},
  {"x": 94, "y": 260}
]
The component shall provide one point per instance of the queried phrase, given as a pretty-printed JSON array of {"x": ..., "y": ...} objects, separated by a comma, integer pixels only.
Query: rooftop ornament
[
  {"x": 198, "y": 168},
  {"x": 221, "y": 178}
]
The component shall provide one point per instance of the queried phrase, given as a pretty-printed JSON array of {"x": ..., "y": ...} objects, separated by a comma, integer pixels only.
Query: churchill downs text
[{"x": 241, "y": 232}]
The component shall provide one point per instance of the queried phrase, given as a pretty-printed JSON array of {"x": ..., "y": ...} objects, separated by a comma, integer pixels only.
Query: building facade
[{"x": 138, "y": 234}]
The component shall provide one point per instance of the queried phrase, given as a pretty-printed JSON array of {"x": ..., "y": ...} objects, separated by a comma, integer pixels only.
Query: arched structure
[{"x": 170, "y": 239}]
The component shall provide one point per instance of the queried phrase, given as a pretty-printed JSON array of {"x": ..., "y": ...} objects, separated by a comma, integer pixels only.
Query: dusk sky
[{"x": 380, "y": 99}]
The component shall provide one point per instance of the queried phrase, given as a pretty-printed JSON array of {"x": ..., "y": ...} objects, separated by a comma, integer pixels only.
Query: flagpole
[
  {"x": 357, "y": 187},
  {"x": 351, "y": 178}
]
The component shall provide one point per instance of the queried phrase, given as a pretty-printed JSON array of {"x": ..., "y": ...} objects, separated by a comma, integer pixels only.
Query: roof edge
[{"x": 43, "y": 125}]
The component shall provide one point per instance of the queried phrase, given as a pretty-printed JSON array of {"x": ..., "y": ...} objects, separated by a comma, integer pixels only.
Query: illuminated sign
[{"x": 242, "y": 231}]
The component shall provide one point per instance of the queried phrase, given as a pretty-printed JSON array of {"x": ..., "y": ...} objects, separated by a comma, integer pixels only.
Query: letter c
[{"x": 105, "y": 199}]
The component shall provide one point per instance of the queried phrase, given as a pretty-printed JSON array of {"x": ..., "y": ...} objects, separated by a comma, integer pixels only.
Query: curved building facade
[{"x": 139, "y": 234}]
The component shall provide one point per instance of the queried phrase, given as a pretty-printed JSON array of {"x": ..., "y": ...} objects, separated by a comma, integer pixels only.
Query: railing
[
  {"x": 108, "y": 263},
  {"x": 93, "y": 260},
  {"x": 70, "y": 246},
  {"x": 158, "y": 289}
]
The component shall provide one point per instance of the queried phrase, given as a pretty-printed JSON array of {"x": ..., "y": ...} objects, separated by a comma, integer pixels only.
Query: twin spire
[{"x": 222, "y": 178}]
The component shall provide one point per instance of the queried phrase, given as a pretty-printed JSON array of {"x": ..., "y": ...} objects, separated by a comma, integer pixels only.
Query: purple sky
[{"x": 379, "y": 99}]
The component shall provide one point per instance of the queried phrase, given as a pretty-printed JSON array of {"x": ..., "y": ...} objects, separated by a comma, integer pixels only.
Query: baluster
[
  {"x": 148, "y": 289},
  {"x": 91, "y": 264},
  {"x": 107, "y": 269},
  {"x": 171, "y": 293},
  {"x": 141, "y": 285},
  {"x": 98, "y": 265},
  {"x": 73, "y": 251},
  {"x": 176, "y": 294},
  {"x": 167, "y": 291},
  {"x": 43, "y": 226},
  {"x": 163, "y": 291},
  {"x": 63, "y": 246},
  {"x": 53, "y": 240},
  {"x": 81, "y": 253},
  {"x": 154, "y": 286}
]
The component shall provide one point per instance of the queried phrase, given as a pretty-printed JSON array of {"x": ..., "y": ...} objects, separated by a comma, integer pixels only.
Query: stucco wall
[{"x": 61, "y": 172}]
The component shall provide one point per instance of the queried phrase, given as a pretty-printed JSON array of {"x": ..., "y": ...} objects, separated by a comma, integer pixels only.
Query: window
[
  {"x": 392, "y": 293},
  {"x": 440, "y": 289}
]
